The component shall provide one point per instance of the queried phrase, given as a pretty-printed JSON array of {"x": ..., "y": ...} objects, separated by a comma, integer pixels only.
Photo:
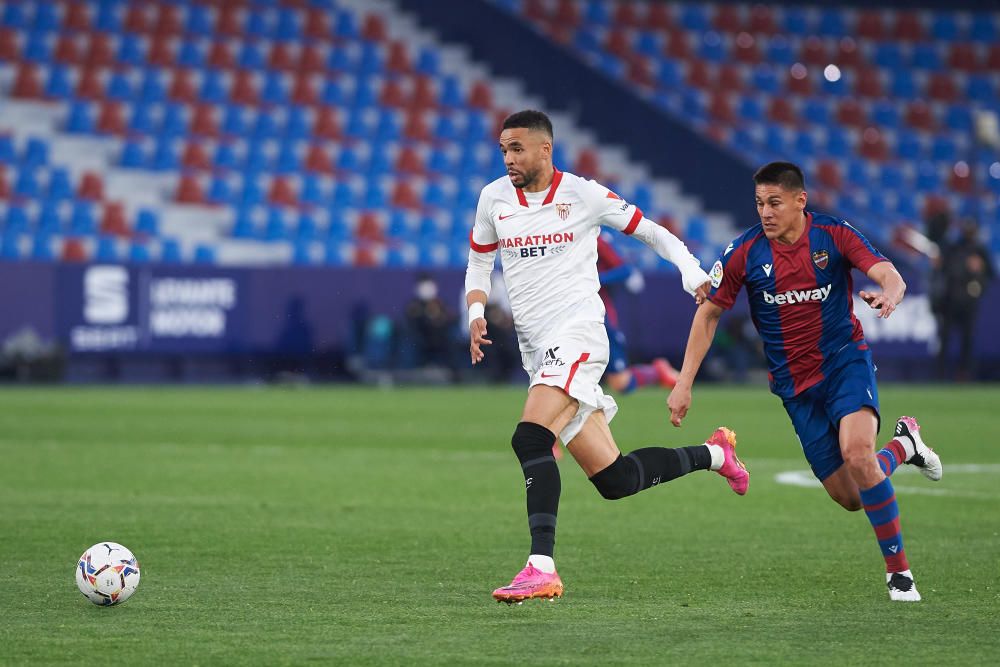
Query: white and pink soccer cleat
[
  {"x": 666, "y": 374},
  {"x": 924, "y": 458},
  {"x": 732, "y": 468},
  {"x": 530, "y": 583}
]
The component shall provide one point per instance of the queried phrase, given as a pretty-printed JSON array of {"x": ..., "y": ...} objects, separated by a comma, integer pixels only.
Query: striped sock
[
  {"x": 891, "y": 456},
  {"x": 883, "y": 513}
]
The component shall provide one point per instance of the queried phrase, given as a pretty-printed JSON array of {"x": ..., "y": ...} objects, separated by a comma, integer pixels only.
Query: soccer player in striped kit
[
  {"x": 796, "y": 266},
  {"x": 544, "y": 223}
]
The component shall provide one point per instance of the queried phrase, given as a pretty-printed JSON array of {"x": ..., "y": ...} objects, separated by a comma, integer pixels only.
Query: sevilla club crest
[
  {"x": 563, "y": 210},
  {"x": 820, "y": 258}
]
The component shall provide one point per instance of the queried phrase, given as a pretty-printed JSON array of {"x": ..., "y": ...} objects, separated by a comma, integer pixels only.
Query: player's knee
[
  {"x": 851, "y": 503},
  {"x": 859, "y": 458},
  {"x": 618, "y": 480},
  {"x": 531, "y": 441}
]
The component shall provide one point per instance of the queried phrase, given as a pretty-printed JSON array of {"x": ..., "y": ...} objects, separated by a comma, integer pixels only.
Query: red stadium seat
[
  {"x": 281, "y": 192},
  {"x": 919, "y": 115},
  {"x": 4, "y": 185},
  {"x": 868, "y": 83},
  {"x": 416, "y": 128},
  {"x": 91, "y": 186},
  {"x": 168, "y": 20},
  {"x": 960, "y": 180},
  {"x": 99, "y": 51},
  {"x": 89, "y": 85},
  {"x": 220, "y": 55},
  {"x": 720, "y": 107},
  {"x": 67, "y": 50},
  {"x": 404, "y": 196},
  {"x": 364, "y": 257},
  {"x": 136, "y": 17},
  {"x": 481, "y": 95},
  {"x": 303, "y": 90},
  {"x": 408, "y": 161},
  {"x": 870, "y": 25},
  {"x": 848, "y": 54},
  {"x": 113, "y": 221},
  {"x": 658, "y": 16},
  {"x": 851, "y": 112},
  {"x": 964, "y": 56},
  {"x": 326, "y": 125},
  {"x": 934, "y": 204},
  {"x": 77, "y": 16},
  {"x": 993, "y": 57},
  {"x": 618, "y": 42},
  {"x": 424, "y": 94},
  {"x": 639, "y": 71},
  {"x": 567, "y": 13},
  {"x": 316, "y": 24},
  {"x": 534, "y": 10},
  {"x": 699, "y": 74},
  {"x": 318, "y": 160},
  {"x": 8, "y": 45},
  {"x": 181, "y": 87},
  {"x": 873, "y": 145},
  {"x": 73, "y": 250},
  {"x": 161, "y": 51},
  {"x": 26, "y": 83},
  {"x": 746, "y": 49},
  {"x": 373, "y": 28},
  {"x": 244, "y": 89},
  {"x": 908, "y": 27},
  {"x": 392, "y": 94},
  {"x": 828, "y": 173},
  {"x": 204, "y": 121},
  {"x": 280, "y": 57},
  {"x": 369, "y": 228},
  {"x": 814, "y": 52},
  {"x": 799, "y": 85},
  {"x": 195, "y": 156},
  {"x": 780, "y": 110},
  {"x": 310, "y": 59},
  {"x": 626, "y": 15},
  {"x": 677, "y": 45},
  {"x": 729, "y": 77},
  {"x": 229, "y": 20},
  {"x": 587, "y": 164},
  {"x": 189, "y": 190},
  {"x": 941, "y": 86},
  {"x": 111, "y": 119},
  {"x": 727, "y": 18},
  {"x": 399, "y": 57},
  {"x": 762, "y": 20}
]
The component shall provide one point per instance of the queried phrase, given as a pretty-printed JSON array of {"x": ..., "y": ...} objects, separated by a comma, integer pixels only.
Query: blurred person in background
[
  {"x": 964, "y": 273},
  {"x": 428, "y": 325}
]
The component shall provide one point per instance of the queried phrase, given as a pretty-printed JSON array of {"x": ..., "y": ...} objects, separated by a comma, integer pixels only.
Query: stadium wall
[{"x": 236, "y": 321}]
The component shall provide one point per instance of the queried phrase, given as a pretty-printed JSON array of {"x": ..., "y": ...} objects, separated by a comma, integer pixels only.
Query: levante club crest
[
  {"x": 563, "y": 210},
  {"x": 820, "y": 258}
]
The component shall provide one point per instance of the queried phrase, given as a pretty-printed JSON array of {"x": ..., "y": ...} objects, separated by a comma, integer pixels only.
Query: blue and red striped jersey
[
  {"x": 800, "y": 297},
  {"x": 608, "y": 260}
]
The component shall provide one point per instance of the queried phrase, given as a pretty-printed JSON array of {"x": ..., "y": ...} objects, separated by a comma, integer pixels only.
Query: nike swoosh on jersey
[
  {"x": 551, "y": 375},
  {"x": 504, "y": 217}
]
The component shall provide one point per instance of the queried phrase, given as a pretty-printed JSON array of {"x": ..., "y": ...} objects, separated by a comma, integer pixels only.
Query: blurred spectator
[
  {"x": 965, "y": 271},
  {"x": 429, "y": 325}
]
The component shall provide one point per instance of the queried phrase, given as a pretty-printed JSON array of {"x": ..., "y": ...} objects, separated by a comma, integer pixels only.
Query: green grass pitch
[{"x": 364, "y": 526}]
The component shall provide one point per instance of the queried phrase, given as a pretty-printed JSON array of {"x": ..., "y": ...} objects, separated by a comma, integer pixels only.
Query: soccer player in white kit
[{"x": 545, "y": 224}]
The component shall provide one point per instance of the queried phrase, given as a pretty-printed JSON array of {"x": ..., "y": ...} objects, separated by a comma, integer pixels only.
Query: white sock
[
  {"x": 543, "y": 563},
  {"x": 908, "y": 446},
  {"x": 718, "y": 456}
]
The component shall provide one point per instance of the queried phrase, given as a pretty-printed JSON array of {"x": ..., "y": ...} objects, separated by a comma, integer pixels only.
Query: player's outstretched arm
[
  {"x": 476, "y": 300},
  {"x": 669, "y": 247},
  {"x": 893, "y": 287},
  {"x": 706, "y": 320}
]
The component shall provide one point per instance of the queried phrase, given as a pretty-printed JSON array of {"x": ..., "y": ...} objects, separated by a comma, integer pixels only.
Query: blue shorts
[
  {"x": 618, "y": 358},
  {"x": 816, "y": 412}
]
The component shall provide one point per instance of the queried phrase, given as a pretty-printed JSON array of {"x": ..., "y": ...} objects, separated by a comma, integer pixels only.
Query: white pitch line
[{"x": 804, "y": 478}]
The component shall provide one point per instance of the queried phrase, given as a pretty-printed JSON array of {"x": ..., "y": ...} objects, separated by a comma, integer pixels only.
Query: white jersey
[{"x": 548, "y": 249}]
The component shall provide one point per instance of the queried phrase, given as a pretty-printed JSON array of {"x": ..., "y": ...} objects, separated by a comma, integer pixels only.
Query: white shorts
[{"x": 573, "y": 359}]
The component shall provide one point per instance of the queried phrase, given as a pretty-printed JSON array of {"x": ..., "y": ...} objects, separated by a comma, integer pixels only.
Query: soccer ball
[{"x": 107, "y": 574}]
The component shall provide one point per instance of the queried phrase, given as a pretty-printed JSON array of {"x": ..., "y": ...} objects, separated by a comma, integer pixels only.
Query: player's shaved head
[
  {"x": 529, "y": 119},
  {"x": 784, "y": 174}
]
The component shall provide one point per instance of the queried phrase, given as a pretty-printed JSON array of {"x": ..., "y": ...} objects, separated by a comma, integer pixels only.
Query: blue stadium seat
[
  {"x": 805, "y": 143},
  {"x": 199, "y": 21},
  {"x": 375, "y": 195},
  {"x": 958, "y": 117},
  {"x": 301, "y": 255},
  {"x": 306, "y": 228},
  {"x": 372, "y": 59},
  {"x": 909, "y": 145},
  {"x": 26, "y": 184},
  {"x": 287, "y": 26},
  {"x": 36, "y": 152},
  {"x": 152, "y": 89},
  {"x": 765, "y": 79},
  {"x": 165, "y": 155},
  {"x": 596, "y": 13},
  {"x": 10, "y": 245},
  {"x": 7, "y": 155},
  {"x": 816, "y": 110},
  {"x": 141, "y": 119},
  {"x": 250, "y": 56},
  {"x": 669, "y": 74},
  {"x": 119, "y": 87},
  {"x": 903, "y": 84},
  {"x": 780, "y": 51},
  {"x": 82, "y": 221},
  {"x": 130, "y": 52},
  {"x": 439, "y": 161},
  {"x": 107, "y": 249},
  {"x": 138, "y": 253},
  {"x": 45, "y": 19},
  {"x": 928, "y": 177},
  {"x": 712, "y": 47},
  {"x": 980, "y": 89},
  {"x": 16, "y": 219},
  {"x": 944, "y": 27},
  {"x": 345, "y": 26},
  {"x": 58, "y": 85},
  {"x": 857, "y": 171},
  {"x": 343, "y": 195},
  {"x": 926, "y": 55},
  {"x": 48, "y": 221},
  {"x": 797, "y": 21},
  {"x": 14, "y": 15},
  {"x": 838, "y": 142},
  {"x": 251, "y": 193},
  {"x": 648, "y": 43},
  {"x": 108, "y": 18},
  {"x": 224, "y": 156},
  {"x": 37, "y": 48},
  {"x": 943, "y": 148},
  {"x": 170, "y": 251},
  {"x": 41, "y": 248},
  {"x": 311, "y": 191},
  {"x": 983, "y": 28},
  {"x": 287, "y": 160},
  {"x": 695, "y": 17},
  {"x": 147, "y": 222},
  {"x": 451, "y": 94},
  {"x": 80, "y": 119},
  {"x": 219, "y": 191},
  {"x": 204, "y": 254},
  {"x": 212, "y": 88},
  {"x": 190, "y": 53},
  {"x": 275, "y": 229},
  {"x": 831, "y": 23},
  {"x": 234, "y": 120},
  {"x": 339, "y": 59},
  {"x": 428, "y": 61},
  {"x": 59, "y": 186},
  {"x": 243, "y": 224},
  {"x": 477, "y": 127},
  {"x": 275, "y": 91},
  {"x": 885, "y": 114}
]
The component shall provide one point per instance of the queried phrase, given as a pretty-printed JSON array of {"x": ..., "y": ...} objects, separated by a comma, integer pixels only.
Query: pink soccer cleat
[
  {"x": 732, "y": 469},
  {"x": 530, "y": 583},
  {"x": 666, "y": 374}
]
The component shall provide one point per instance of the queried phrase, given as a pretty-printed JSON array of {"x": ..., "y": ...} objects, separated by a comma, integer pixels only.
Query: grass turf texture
[{"x": 365, "y": 526}]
